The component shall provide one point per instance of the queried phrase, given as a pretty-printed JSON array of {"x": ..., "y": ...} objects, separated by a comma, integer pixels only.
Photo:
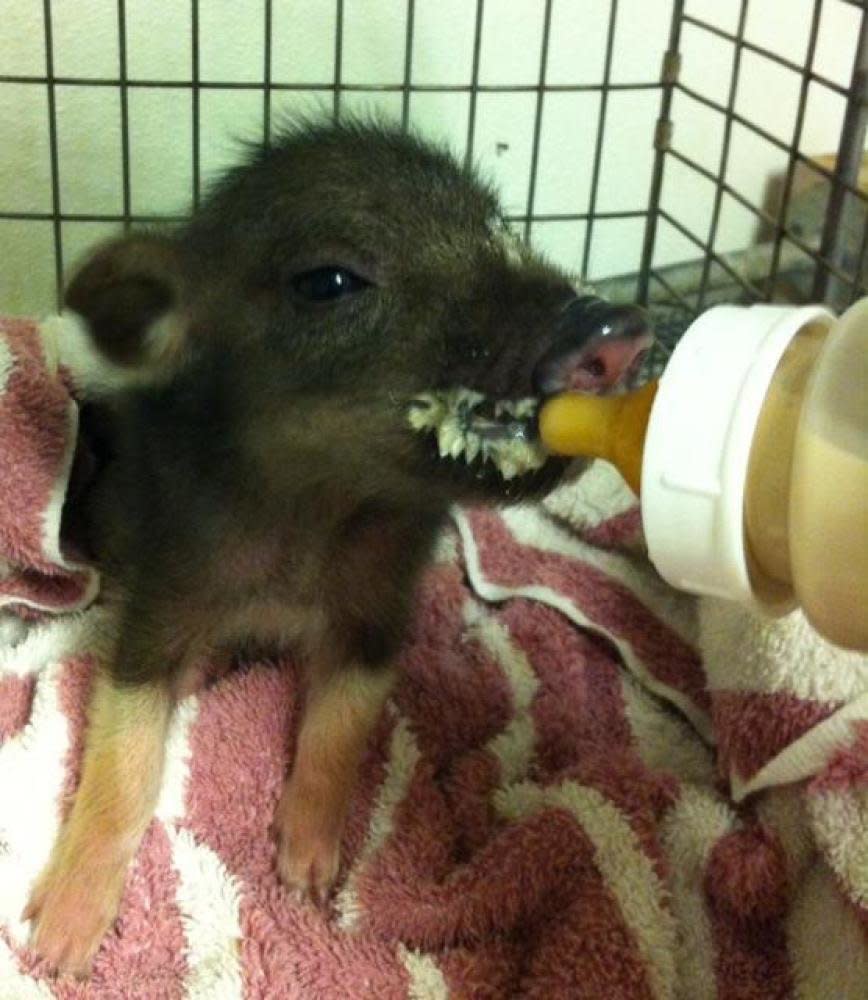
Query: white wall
[{"x": 231, "y": 49}]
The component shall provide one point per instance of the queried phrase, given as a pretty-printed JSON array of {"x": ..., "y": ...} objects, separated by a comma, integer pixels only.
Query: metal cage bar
[
  {"x": 266, "y": 73},
  {"x": 53, "y": 152},
  {"x": 408, "y": 65},
  {"x": 601, "y": 128},
  {"x": 330, "y": 85},
  {"x": 143, "y": 219},
  {"x": 827, "y": 285},
  {"x": 861, "y": 283},
  {"x": 339, "y": 58},
  {"x": 662, "y": 138},
  {"x": 537, "y": 118},
  {"x": 474, "y": 82},
  {"x": 125, "y": 114},
  {"x": 194, "y": 52},
  {"x": 746, "y": 286},
  {"x": 764, "y": 216},
  {"x": 781, "y": 221},
  {"x": 760, "y": 50},
  {"x": 671, "y": 291},
  {"x": 768, "y": 137},
  {"x": 724, "y": 151}
]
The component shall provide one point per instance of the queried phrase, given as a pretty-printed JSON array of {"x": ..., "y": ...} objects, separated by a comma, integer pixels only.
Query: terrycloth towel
[
  {"x": 38, "y": 434},
  {"x": 585, "y": 785}
]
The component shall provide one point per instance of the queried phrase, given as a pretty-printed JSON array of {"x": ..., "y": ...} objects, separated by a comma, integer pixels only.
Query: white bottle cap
[{"x": 696, "y": 453}]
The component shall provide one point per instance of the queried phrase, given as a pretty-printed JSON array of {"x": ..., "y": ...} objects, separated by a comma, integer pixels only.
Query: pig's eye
[{"x": 327, "y": 284}]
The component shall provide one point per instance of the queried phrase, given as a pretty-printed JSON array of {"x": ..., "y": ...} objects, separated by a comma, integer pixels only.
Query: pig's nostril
[
  {"x": 595, "y": 368},
  {"x": 598, "y": 347},
  {"x": 603, "y": 364}
]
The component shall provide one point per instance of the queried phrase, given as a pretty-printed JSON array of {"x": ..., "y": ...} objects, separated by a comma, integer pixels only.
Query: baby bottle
[{"x": 750, "y": 457}]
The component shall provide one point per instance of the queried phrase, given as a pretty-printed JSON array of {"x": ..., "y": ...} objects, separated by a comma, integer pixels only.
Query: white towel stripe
[
  {"x": 31, "y": 783},
  {"x": 628, "y": 871},
  {"x": 7, "y": 363},
  {"x": 530, "y": 528},
  {"x": 16, "y": 985},
  {"x": 494, "y": 592},
  {"x": 826, "y": 942},
  {"x": 663, "y": 739},
  {"x": 207, "y": 894},
  {"x": 689, "y": 832},
  {"x": 807, "y": 755},
  {"x": 599, "y": 495},
  {"x": 209, "y": 903},
  {"x": 404, "y": 756},
  {"x": 513, "y": 746},
  {"x": 90, "y": 633},
  {"x": 841, "y": 827},
  {"x": 171, "y": 805},
  {"x": 426, "y": 979}
]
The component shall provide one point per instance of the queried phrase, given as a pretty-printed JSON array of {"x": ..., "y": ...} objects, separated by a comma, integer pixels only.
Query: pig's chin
[{"x": 493, "y": 443}]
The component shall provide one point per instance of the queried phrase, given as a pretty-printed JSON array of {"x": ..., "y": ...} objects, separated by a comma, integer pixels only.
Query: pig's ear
[{"x": 130, "y": 293}]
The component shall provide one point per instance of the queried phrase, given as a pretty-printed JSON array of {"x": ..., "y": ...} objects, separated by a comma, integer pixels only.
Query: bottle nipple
[{"x": 608, "y": 427}]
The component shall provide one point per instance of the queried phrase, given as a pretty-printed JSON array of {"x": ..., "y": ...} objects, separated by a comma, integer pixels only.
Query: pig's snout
[{"x": 597, "y": 347}]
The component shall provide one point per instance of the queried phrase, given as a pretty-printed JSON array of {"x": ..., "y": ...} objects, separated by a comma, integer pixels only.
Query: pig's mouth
[{"x": 470, "y": 427}]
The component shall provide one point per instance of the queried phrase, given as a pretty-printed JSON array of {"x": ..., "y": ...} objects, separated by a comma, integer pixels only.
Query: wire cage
[{"x": 802, "y": 234}]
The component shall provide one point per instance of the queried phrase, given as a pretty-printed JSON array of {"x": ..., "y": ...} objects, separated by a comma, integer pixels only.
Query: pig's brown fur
[{"x": 265, "y": 483}]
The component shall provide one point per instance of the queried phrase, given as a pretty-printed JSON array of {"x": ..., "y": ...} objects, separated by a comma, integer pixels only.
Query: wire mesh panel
[
  {"x": 807, "y": 224},
  {"x": 531, "y": 100},
  {"x": 119, "y": 112}
]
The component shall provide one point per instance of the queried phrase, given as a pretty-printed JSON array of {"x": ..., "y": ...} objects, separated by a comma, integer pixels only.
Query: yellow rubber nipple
[{"x": 608, "y": 427}]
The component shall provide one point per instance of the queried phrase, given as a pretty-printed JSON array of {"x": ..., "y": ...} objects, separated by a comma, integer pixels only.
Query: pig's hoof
[
  {"x": 308, "y": 846},
  {"x": 71, "y": 914},
  {"x": 308, "y": 869}
]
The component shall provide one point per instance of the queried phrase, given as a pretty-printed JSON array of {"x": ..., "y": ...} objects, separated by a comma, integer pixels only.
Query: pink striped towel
[{"x": 586, "y": 785}]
